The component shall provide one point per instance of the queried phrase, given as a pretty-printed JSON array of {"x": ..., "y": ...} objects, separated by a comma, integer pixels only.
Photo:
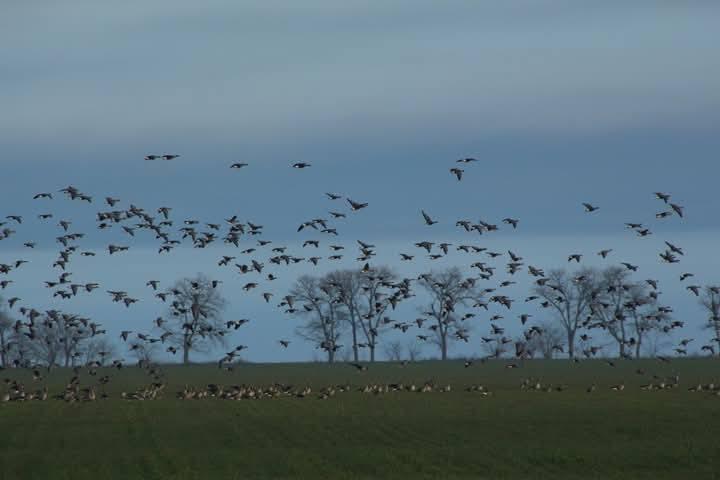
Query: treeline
[{"x": 584, "y": 313}]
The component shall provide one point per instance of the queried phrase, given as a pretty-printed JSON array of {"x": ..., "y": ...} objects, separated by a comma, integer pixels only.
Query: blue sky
[{"x": 561, "y": 103}]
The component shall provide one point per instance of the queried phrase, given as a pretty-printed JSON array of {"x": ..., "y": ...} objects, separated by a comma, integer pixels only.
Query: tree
[
  {"x": 626, "y": 310},
  {"x": 549, "y": 341},
  {"x": 394, "y": 350},
  {"x": 570, "y": 298},
  {"x": 710, "y": 301},
  {"x": 367, "y": 295},
  {"x": 99, "y": 349},
  {"x": 55, "y": 339},
  {"x": 448, "y": 291},
  {"x": 414, "y": 350},
  {"x": 323, "y": 310},
  {"x": 6, "y": 324},
  {"x": 144, "y": 352},
  {"x": 348, "y": 285},
  {"x": 195, "y": 323}
]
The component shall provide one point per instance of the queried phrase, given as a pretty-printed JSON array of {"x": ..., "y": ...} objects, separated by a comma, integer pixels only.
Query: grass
[{"x": 513, "y": 434}]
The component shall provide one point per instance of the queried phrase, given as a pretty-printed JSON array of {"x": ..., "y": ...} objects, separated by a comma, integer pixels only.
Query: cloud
[{"x": 263, "y": 71}]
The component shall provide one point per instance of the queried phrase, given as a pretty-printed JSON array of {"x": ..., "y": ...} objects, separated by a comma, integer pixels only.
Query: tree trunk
[
  {"x": 443, "y": 347},
  {"x": 186, "y": 355},
  {"x": 372, "y": 352},
  {"x": 331, "y": 355},
  {"x": 3, "y": 353},
  {"x": 571, "y": 344},
  {"x": 354, "y": 339}
]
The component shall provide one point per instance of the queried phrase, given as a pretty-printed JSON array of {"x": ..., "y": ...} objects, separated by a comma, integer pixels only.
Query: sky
[{"x": 560, "y": 103}]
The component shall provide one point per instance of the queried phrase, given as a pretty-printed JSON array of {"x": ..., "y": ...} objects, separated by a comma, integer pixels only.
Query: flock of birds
[{"x": 232, "y": 232}]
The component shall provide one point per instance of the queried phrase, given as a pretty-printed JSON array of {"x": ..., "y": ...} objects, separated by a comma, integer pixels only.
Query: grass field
[{"x": 633, "y": 434}]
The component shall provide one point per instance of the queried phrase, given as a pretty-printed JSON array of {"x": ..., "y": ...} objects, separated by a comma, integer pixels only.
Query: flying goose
[
  {"x": 662, "y": 196},
  {"x": 428, "y": 220},
  {"x": 355, "y": 206},
  {"x": 458, "y": 172}
]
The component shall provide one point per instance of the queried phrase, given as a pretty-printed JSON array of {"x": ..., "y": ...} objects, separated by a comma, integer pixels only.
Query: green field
[{"x": 672, "y": 433}]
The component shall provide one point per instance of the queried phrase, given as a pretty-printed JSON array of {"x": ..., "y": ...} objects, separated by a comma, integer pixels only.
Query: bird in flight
[
  {"x": 428, "y": 220},
  {"x": 355, "y": 206},
  {"x": 458, "y": 172}
]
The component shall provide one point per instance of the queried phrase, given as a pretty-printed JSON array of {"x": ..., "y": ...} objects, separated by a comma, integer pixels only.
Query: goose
[
  {"x": 576, "y": 257},
  {"x": 695, "y": 289},
  {"x": 238, "y": 165},
  {"x": 301, "y": 165},
  {"x": 333, "y": 196},
  {"x": 678, "y": 209},
  {"x": 284, "y": 343},
  {"x": 355, "y": 206},
  {"x": 685, "y": 276},
  {"x": 668, "y": 257},
  {"x": 43, "y": 195},
  {"x": 168, "y": 156},
  {"x": 511, "y": 221},
  {"x": 458, "y": 172},
  {"x": 605, "y": 253},
  {"x": 152, "y": 157},
  {"x": 467, "y": 160},
  {"x": 589, "y": 208},
  {"x": 662, "y": 196},
  {"x": 428, "y": 220},
  {"x": 674, "y": 248}
]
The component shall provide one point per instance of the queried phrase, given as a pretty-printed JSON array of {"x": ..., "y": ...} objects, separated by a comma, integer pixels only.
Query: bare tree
[
  {"x": 348, "y": 285},
  {"x": 414, "y": 350},
  {"x": 550, "y": 341},
  {"x": 55, "y": 339},
  {"x": 569, "y": 297},
  {"x": 710, "y": 301},
  {"x": 6, "y": 324},
  {"x": 195, "y": 323},
  {"x": 448, "y": 291},
  {"x": 98, "y": 349},
  {"x": 322, "y": 309},
  {"x": 144, "y": 352},
  {"x": 367, "y": 295},
  {"x": 394, "y": 350},
  {"x": 627, "y": 310}
]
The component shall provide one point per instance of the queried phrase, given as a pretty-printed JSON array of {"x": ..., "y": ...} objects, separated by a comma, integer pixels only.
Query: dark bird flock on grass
[{"x": 258, "y": 254}]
